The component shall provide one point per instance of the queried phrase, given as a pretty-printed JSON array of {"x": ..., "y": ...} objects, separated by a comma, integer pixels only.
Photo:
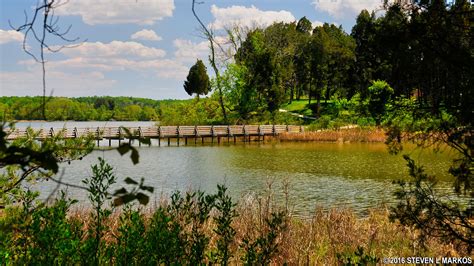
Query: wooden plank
[
  {"x": 236, "y": 130},
  {"x": 251, "y": 130},
  {"x": 150, "y": 132},
  {"x": 16, "y": 134},
  {"x": 266, "y": 129},
  {"x": 160, "y": 132},
  {"x": 203, "y": 131},
  {"x": 42, "y": 134},
  {"x": 294, "y": 129},
  {"x": 220, "y": 131},
  {"x": 168, "y": 131},
  {"x": 187, "y": 131},
  {"x": 280, "y": 129}
]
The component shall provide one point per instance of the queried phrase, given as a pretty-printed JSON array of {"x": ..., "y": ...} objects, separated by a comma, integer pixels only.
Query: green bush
[
  {"x": 320, "y": 123},
  {"x": 177, "y": 233}
]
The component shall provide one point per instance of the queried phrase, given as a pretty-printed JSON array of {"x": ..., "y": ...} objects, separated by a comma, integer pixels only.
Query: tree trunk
[
  {"x": 212, "y": 60},
  {"x": 318, "y": 104}
]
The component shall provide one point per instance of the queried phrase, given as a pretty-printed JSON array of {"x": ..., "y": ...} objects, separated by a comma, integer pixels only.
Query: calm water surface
[{"x": 355, "y": 175}]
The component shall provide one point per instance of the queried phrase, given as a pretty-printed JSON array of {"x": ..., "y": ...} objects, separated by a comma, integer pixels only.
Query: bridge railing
[{"x": 158, "y": 132}]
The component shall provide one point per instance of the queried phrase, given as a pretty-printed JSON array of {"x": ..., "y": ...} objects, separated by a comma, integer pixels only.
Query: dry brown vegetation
[
  {"x": 341, "y": 135},
  {"x": 316, "y": 239}
]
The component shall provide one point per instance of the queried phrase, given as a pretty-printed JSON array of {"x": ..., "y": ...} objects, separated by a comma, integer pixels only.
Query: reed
[
  {"x": 184, "y": 231},
  {"x": 320, "y": 238},
  {"x": 341, "y": 135}
]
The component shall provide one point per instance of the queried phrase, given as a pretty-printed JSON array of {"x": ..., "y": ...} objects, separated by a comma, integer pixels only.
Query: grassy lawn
[{"x": 302, "y": 107}]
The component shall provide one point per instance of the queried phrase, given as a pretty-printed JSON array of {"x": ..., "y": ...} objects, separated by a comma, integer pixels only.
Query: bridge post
[
  {"x": 97, "y": 133},
  {"x": 139, "y": 136},
  {"x": 119, "y": 135},
  {"x": 228, "y": 133},
  {"x": 159, "y": 136},
  {"x": 212, "y": 134},
  {"x": 195, "y": 134},
  {"x": 258, "y": 133},
  {"x": 177, "y": 134}
]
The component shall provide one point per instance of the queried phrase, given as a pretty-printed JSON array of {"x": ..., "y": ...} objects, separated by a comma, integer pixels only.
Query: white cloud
[
  {"x": 247, "y": 16},
  {"x": 10, "y": 36},
  {"x": 59, "y": 83},
  {"x": 146, "y": 35},
  {"x": 316, "y": 23},
  {"x": 345, "y": 8},
  {"x": 144, "y": 12},
  {"x": 187, "y": 51},
  {"x": 165, "y": 68},
  {"x": 114, "y": 48}
]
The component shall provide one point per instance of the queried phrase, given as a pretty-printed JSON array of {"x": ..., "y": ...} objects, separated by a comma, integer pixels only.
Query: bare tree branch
[
  {"x": 48, "y": 26},
  {"x": 212, "y": 57}
]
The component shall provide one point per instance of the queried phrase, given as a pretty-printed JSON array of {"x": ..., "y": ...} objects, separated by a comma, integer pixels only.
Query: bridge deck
[{"x": 158, "y": 132}]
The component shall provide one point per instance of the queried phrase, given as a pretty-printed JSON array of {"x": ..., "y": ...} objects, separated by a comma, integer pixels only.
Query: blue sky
[{"x": 140, "y": 48}]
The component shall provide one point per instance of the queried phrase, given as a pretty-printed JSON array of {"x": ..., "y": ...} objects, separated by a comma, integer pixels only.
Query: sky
[{"x": 139, "y": 48}]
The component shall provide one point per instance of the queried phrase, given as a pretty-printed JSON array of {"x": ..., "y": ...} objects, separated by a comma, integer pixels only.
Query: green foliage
[
  {"x": 55, "y": 240},
  {"x": 225, "y": 214},
  {"x": 131, "y": 245},
  {"x": 359, "y": 258},
  {"x": 239, "y": 95},
  {"x": 380, "y": 94},
  {"x": 177, "y": 233},
  {"x": 204, "y": 111},
  {"x": 197, "y": 81},
  {"x": 80, "y": 109},
  {"x": 421, "y": 206},
  {"x": 261, "y": 250},
  {"x": 304, "y": 26},
  {"x": 122, "y": 196},
  {"x": 163, "y": 239},
  {"x": 98, "y": 186}
]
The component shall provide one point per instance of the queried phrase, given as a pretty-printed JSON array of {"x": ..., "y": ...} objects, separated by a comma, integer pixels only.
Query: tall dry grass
[
  {"x": 341, "y": 135},
  {"x": 316, "y": 239}
]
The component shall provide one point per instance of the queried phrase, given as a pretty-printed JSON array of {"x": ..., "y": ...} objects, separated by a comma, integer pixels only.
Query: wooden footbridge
[{"x": 234, "y": 132}]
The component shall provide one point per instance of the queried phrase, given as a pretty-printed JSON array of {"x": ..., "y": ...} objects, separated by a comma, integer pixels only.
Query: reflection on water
[{"x": 357, "y": 175}]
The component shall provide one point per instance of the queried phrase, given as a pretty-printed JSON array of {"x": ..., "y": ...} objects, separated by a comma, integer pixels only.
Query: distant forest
[{"x": 82, "y": 108}]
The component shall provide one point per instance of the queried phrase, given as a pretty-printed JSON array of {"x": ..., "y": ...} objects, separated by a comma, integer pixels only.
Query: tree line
[
  {"x": 422, "y": 50},
  {"x": 80, "y": 109}
]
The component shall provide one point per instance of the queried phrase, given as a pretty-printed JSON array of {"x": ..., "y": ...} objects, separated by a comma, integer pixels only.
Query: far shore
[{"x": 341, "y": 135}]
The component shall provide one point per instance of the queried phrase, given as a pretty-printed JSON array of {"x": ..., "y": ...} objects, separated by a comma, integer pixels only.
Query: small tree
[
  {"x": 197, "y": 81},
  {"x": 380, "y": 94}
]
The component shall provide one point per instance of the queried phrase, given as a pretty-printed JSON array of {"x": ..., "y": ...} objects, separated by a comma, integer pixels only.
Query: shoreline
[{"x": 375, "y": 135}]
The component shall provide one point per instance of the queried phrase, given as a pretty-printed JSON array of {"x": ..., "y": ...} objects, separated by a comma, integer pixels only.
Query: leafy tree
[
  {"x": 263, "y": 70},
  {"x": 304, "y": 26},
  {"x": 197, "y": 81},
  {"x": 379, "y": 96},
  {"x": 240, "y": 96},
  {"x": 441, "y": 115}
]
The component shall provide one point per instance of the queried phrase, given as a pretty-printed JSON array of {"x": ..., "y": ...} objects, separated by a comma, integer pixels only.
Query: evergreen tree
[{"x": 197, "y": 81}]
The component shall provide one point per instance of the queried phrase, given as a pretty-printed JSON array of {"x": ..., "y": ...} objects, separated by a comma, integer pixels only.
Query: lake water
[{"x": 354, "y": 175}]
